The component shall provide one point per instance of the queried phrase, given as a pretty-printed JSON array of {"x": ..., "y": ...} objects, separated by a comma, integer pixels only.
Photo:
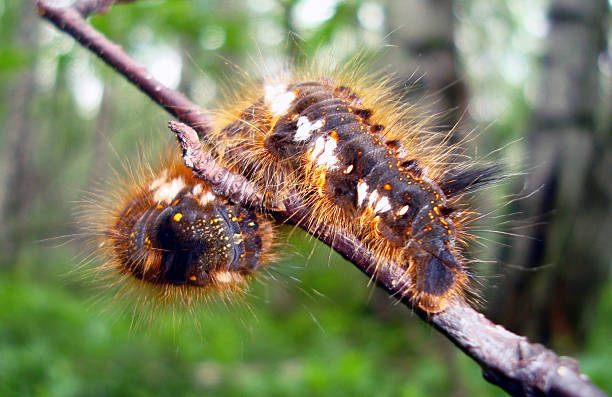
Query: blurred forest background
[{"x": 533, "y": 78}]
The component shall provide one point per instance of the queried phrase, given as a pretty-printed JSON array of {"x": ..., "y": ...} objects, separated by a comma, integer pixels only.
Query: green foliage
[
  {"x": 13, "y": 59},
  {"x": 54, "y": 343}
]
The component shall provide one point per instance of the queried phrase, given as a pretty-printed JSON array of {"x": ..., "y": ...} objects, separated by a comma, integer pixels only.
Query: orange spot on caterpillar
[{"x": 177, "y": 217}]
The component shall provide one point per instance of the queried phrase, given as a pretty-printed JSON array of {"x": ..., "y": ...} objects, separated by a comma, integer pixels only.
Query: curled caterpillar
[
  {"x": 166, "y": 232},
  {"x": 365, "y": 164}
]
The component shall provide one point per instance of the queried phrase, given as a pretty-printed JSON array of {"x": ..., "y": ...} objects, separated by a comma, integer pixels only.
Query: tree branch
[
  {"x": 508, "y": 360},
  {"x": 224, "y": 183}
]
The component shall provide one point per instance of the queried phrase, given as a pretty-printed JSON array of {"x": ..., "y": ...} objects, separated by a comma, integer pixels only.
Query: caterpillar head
[{"x": 438, "y": 266}]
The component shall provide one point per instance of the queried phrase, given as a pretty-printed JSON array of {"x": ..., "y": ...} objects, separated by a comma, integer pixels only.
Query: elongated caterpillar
[
  {"x": 166, "y": 232},
  {"x": 363, "y": 163}
]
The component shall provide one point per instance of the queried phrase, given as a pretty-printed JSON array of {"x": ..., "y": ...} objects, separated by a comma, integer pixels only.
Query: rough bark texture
[
  {"x": 507, "y": 360},
  {"x": 566, "y": 153}
]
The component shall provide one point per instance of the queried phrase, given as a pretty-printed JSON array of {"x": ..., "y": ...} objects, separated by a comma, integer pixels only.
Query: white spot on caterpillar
[
  {"x": 373, "y": 198},
  {"x": 169, "y": 190},
  {"x": 348, "y": 169},
  {"x": 318, "y": 148},
  {"x": 226, "y": 277},
  {"x": 383, "y": 205},
  {"x": 159, "y": 181},
  {"x": 328, "y": 158},
  {"x": 305, "y": 128},
  {"x": 197, "y": 189},
  {"x": 278, "y": 99},
  {"x": 206, "y": 198},
  {"x": 362, "y": 192},
  {"x": 403, "y": 210}
]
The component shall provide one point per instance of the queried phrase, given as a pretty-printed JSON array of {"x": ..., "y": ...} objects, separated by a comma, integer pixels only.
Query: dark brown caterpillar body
[
  {"x": 365, "y": 177},
  {"x": 319, "y": 137},
  {"x": 174, "y": 231}
]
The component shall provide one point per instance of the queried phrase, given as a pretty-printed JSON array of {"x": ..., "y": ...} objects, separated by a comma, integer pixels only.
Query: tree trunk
[
  {"x": 568, "y": 247},
  {"x": 15, "y": 174},
  {"x": 426, "y": 59},
  {"x": 104, "y": 132}
]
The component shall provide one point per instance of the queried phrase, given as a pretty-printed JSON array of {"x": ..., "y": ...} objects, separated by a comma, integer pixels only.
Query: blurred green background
[{"x": 315, "y": 327}]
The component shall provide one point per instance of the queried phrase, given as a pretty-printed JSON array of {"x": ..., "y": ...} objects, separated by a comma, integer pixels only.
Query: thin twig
[
  {"x": 224, "y": 183},
  {"x": 71, "y": 20},
  {"x": 508, "y": 360}
]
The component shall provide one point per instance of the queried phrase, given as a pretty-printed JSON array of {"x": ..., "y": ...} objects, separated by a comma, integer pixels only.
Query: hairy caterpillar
[
  {"x": 165, "y": 236},
  {"x": 360, "y": 160},
  {"x": 363, "y": 163}
]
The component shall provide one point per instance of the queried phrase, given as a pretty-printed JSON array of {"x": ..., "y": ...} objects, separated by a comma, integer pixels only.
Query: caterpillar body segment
[
  {"x": 326, "y": 131},
  {"x": 170, "y": 238},
  {"x": 364, "y": 165}
]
